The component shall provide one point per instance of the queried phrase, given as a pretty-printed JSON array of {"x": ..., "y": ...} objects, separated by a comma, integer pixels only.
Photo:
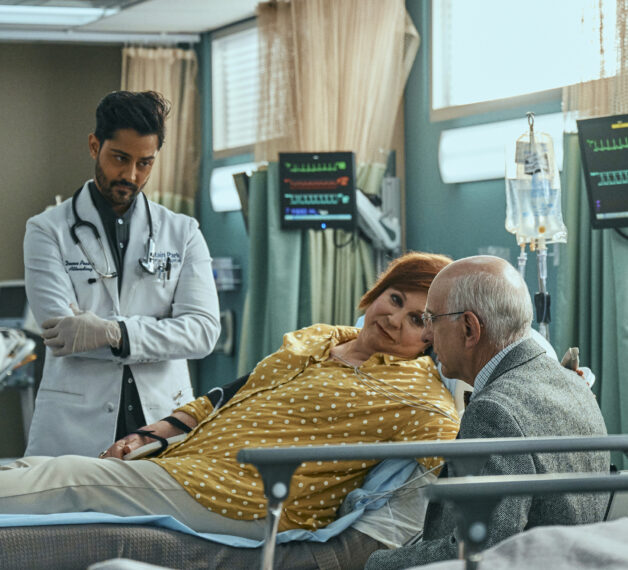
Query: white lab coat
[{"x": 168, "y": 321}]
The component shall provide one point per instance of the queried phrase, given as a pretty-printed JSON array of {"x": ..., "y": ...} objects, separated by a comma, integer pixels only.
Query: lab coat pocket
[
  {"x": 166, "y": 282},
  {"x": 60, "y": 394},
  {"x": 152, "y": 296}
]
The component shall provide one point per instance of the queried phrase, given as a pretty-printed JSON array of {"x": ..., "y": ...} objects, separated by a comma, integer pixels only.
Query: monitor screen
[
  {"x": 13, "y": 304},
  {"x": 604, "y": 150},
  {"x": 317, "y": 190},
  {"x": 12, "y": 301}
]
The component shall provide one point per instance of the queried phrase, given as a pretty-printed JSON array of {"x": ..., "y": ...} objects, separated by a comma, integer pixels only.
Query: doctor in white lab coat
[{"x": 118, "y": 335}]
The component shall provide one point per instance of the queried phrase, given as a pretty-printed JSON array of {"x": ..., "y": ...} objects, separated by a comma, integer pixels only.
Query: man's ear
[
  {"x": 94, "y": 145},
  {"x": 472, "y": 329}
]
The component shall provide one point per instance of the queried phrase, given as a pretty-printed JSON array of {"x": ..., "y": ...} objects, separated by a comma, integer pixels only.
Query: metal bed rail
[
  {"x": 465, "y": 457},
  {"x": 475, "y": 499}
]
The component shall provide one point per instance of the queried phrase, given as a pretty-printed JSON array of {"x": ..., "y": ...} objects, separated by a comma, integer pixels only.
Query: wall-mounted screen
[
  {"x": 13, "y": 304},
  {"x": 604, "y": 150},
  {"x": 317, "y": 190}
]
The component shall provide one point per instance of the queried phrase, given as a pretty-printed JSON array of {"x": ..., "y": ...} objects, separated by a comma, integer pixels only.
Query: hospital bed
[
  {"x": 78, "y": 540},
  {"x": 79, "y": 545},
  {"x": 476, "y": 496},
  {"x": 70, "y": 547},
  {"x": 86, "y": 541},
  {"x": 74, "y": 541}
]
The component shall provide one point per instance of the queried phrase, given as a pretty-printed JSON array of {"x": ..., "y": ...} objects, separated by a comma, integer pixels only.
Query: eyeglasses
[{"x": 429, "y": 319}]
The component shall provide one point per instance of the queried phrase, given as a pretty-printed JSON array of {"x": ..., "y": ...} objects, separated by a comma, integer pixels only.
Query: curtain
[
  {"x": 593, "y": 282},
  {"x": 608, "y": 94},
  {"x": 172, "y": 72},
  {"x": 273, "y": 304},
  {"x": 332, "y": 75},
  {"x": 592, "y": 303}
]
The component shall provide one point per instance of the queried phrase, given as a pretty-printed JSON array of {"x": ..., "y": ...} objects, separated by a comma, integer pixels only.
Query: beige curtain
[
  {"x": 604, "y": 95},
  {"x": 172, "y": 72},
  {"x": 332, "y": 78}
]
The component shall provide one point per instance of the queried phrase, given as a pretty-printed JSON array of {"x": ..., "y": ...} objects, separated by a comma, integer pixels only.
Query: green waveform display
[
  {"x": 612, "y": 177},
  {"x": 337, "y": 166},
  {"x": 604, "y": 145},
  {"x": 307, "y": 199}
]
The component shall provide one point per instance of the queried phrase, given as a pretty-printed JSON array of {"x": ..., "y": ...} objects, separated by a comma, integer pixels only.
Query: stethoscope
[{"x": 147, "y": 263}]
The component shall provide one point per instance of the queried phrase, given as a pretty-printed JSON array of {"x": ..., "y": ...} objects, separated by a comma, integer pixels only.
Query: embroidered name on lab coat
[
  {"x": 82, "y": 265},
  {"x": 175, "y": 256}
]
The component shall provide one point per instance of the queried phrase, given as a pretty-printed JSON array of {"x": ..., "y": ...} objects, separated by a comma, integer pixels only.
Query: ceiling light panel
[
  {"x": 51, "y": 15},
  {"x": 42, "y": 14}
]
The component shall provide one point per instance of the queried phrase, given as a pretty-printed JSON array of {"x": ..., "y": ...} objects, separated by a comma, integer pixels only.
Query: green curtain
[
  {"x": 592, "y": 304},
  {"x": 339, "y": 276},
  {"x": 277, "y": 282}
]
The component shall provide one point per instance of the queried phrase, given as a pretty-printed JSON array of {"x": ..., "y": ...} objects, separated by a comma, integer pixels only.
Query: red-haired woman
[{"x": 325, "y": 385}]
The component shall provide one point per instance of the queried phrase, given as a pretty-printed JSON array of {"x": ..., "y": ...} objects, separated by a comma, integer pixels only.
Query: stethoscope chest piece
[{"x": 148, "y": 263}]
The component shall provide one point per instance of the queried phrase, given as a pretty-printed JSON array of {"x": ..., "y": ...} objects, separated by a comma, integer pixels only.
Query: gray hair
[{"x": 504, "y": 307}]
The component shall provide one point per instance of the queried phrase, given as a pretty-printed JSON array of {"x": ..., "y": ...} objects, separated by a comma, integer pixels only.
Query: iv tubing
[
  {"x": 541, "y": 261},
  {"x": 522, "y": 261}
]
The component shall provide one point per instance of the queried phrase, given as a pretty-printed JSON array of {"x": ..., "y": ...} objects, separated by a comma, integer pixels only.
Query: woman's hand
[{"x": 134, "y": 441}]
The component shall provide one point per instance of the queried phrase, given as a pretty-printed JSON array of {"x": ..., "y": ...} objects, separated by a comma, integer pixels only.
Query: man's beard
[{"x": 108, "y": 189}]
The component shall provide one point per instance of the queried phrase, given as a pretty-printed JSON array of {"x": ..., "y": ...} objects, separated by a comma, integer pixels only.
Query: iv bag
[{"x": 533, "y": 200}]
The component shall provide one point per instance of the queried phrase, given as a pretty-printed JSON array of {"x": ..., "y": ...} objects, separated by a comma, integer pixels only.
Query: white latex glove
[{"x": 80, "y": 333}]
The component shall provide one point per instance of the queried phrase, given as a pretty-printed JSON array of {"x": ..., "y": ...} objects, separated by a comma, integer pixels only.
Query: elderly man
[{"x": 477, "y": 317}]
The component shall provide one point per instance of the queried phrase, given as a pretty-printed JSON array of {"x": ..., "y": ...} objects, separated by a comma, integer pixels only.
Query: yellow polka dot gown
[{"x": 298, "y": 397}]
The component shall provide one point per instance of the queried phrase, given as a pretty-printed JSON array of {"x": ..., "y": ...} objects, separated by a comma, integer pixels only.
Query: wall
[
  {"x": 456, "y": 219},
  {"x": 48, "y": 96},
  {"x": 224, "y": 231},
  {"x": 47, "y": 102}
]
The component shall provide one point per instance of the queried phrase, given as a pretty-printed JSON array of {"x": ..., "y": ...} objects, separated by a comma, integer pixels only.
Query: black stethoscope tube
[{"x": 147, "y": 264}]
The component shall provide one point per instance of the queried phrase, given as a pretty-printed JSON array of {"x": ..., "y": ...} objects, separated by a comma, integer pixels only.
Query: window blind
[{"x": 235, "y": 89}]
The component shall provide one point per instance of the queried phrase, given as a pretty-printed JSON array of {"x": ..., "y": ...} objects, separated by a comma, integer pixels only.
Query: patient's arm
[
  {"x": 191, "y": 414},
  {"x": 161, "y": 428}
]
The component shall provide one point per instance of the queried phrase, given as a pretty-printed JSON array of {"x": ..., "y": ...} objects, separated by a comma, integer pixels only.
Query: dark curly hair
[{"x": 142, "y": 111}]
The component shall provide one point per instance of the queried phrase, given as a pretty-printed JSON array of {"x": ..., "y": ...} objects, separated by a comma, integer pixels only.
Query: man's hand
[
  {"x": 134, "y": 441},
  {"x": 80, "y": 333},
  {"x": 571, "y": 360}
]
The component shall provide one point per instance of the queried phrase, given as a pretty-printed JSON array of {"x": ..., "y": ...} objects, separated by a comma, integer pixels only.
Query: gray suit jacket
[{"x": 528, "y": 395}]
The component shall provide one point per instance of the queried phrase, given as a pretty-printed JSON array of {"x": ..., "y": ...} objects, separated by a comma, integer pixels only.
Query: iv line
[{"x": 405, "y": 397}]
